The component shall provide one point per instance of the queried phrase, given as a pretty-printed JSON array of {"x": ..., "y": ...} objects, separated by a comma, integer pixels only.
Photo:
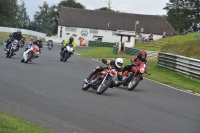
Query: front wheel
[
  {"x": 104, "y": 86},
  {"x": 11, "y": 53},
  {"x": 29, "y": 58},
  {"x": 66, "y": 56},
  {"x": 85, "y": 86},
  {"x": 133, "y": 83}
]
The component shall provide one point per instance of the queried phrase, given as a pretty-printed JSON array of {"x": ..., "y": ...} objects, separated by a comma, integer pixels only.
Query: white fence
[
  {"x": 181, "y": 64},
  {"x": 30, "y": 32}
]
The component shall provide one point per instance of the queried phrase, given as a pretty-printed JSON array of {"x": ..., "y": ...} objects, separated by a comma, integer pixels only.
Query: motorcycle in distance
[
  {"x": 12, "y": 48},
  {"x": 132, "y": 78},
  {"x": 50, "y": 44},
  {"x": 101, "y": 80},
  {"x": 66, "y": 53},
  {"x": 30, "y": 54}
]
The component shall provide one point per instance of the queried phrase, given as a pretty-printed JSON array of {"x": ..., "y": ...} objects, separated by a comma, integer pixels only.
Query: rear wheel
[{"x": 133, "y": 83}]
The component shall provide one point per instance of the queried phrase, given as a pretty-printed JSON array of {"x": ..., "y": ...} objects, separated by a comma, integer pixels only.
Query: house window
[
  {"x": 114, "y": 33},
  {"x": 67, "y": 29},
  {"x": 72, "y": 29},
  {"x": 93, "y": 31}
]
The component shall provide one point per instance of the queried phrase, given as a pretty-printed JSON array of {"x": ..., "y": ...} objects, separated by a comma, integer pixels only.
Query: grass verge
[
  {"x": 5, "y": 36},
  {"x": 10, "y": 124},
  {"x": 158, "y": 74}
]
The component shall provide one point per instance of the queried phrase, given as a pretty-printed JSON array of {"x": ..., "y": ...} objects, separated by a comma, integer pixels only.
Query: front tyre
[
  {"x": 133, "y": 83},
  {"x": 103, "y": 87},
  {"x": 66, "y": 56},
  {"x": 29, "y": 58},
  {"x": 85, "y": 86}
]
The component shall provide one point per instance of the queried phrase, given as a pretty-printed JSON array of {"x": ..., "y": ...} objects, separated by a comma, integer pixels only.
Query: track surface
[{"x": 48, "y": 92}]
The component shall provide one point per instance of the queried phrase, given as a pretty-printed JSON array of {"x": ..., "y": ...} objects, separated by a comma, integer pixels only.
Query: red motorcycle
[
  {"x": 101, "y": 81},
  {"x": 132, "y": 77}
]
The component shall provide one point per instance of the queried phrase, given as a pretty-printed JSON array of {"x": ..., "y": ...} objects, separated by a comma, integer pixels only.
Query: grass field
[
  {"x": 5, "y": 36},
  {"x": 165, "y": 42},
  {"x": 11, "y": 124}
]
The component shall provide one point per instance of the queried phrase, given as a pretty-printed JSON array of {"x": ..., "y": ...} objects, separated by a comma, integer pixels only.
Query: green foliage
[
  {"x": 10, "y": 124},
  {"x": 4, "y": 36},
  {"x": 189, "y": 49},
  {"x": 105, "y": 9},
  {"x": 45, "y": 18},
  {"x": 8, "y": 12},
  {"x": 157, "y": 45},
  {"x": 22, "y": 16},
  {"x": 100, "y": 44},
  {"x": 182, "y": 13}
]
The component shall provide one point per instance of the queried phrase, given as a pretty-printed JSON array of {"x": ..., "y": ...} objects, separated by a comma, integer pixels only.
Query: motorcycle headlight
[{"x": 142, "y": 70}]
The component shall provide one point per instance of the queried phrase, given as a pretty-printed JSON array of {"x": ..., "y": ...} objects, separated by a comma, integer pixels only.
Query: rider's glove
[{"x": 40, "y": 51}]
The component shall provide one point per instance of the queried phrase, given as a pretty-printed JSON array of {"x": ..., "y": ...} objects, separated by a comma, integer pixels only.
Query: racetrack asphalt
[{"x": 48, "y": 92}]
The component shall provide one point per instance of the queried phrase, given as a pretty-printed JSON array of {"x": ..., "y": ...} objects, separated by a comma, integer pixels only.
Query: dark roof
[{"x": 74, "y": 17}]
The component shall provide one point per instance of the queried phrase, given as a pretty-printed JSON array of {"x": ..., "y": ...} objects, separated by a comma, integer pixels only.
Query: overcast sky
[{"x": 150, "y": 7}]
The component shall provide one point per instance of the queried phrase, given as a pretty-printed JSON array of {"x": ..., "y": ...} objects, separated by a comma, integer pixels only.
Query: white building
[{"x": 108, "y": 26}]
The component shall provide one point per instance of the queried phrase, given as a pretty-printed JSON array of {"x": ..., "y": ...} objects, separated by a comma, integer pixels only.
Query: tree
[
  {"x": 8, "y": 10},
  {"x": 182, "y": 13},
  {"x": 45, "y": 18},
  {"x": 66, "y": 3},
  {"x": 109, "y": 5},
  {"x": 22, "y": 16},
  {"x": 104, "y": 9}
]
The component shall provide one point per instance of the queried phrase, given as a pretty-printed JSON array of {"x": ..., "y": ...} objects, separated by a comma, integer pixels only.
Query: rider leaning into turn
[
  {"x": 117, "y": 64},
  {"x": 15, "y": 35},
  {"x": 141, "y": 57},
  {"x": 30, "y": 43},
  {"x": 68, "y": 41},
  {"x": 38, "y": 42}
]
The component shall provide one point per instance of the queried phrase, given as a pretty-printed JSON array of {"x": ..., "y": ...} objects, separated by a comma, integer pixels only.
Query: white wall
[
  {"x": 107, "y": 36},
  {"x": 30, "y": 32}
]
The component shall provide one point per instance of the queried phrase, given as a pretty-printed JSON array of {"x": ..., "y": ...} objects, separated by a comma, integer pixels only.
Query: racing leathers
[
  {"x": 136, "y": 60},
  {"x": 40, "y": 45}
]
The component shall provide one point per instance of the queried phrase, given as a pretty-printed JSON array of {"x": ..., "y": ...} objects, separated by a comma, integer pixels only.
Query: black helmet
[{"x": 71, "y": 38}]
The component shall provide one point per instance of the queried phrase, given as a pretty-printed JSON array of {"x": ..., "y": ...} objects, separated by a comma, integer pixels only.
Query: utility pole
[{"x": 109, "y": 4}]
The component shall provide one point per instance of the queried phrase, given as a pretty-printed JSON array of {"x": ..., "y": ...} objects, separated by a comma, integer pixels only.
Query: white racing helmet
[{"x": 119, "y": 62}]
